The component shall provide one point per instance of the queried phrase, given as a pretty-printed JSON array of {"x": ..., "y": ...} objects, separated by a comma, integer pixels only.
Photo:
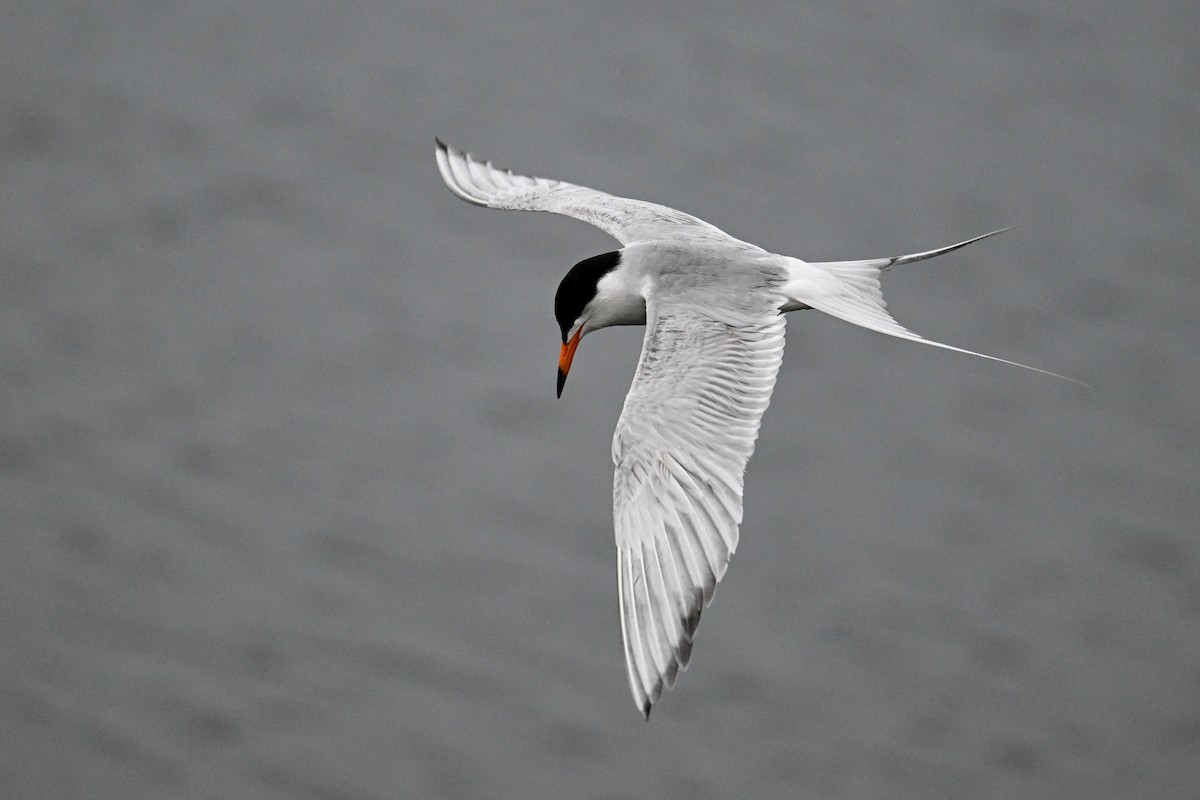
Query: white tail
[{"x": 850, "y": 290}]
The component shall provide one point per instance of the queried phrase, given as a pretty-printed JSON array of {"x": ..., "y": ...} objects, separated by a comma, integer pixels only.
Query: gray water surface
[{"x": 289, "y": 509}]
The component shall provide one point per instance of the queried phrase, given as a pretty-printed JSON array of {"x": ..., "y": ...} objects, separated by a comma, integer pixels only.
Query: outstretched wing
[
  {"x": 681, "y": 447},
  {"x": 484, "y": 184}
]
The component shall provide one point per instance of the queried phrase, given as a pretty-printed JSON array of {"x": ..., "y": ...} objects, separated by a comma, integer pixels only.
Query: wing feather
[
  {"x": 627, "y": 220},
  {"x": 681, "y": 447},
  {"x": 631, "y": 631}
]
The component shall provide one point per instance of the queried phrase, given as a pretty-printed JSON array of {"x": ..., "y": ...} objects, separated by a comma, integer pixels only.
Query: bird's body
[{"x": 712, "y": 306}]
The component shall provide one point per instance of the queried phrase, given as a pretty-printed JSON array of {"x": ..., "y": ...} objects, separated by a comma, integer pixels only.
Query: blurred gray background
[{"x": 289, "y": 509}]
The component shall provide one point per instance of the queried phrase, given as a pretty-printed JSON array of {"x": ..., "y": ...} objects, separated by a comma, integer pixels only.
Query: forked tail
[{"x": 854, "y": 295}]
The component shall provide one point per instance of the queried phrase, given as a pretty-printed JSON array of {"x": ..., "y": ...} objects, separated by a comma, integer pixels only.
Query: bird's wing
[
  {"x": 484, "y": 184},
  {"x": 687, "y": 430}
]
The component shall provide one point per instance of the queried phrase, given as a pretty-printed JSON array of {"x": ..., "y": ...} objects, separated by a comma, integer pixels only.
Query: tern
[{"x": 713, "y": 307}]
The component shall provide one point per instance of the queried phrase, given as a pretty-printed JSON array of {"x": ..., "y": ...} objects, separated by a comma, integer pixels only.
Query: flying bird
[{"x": 713, "y": 310}]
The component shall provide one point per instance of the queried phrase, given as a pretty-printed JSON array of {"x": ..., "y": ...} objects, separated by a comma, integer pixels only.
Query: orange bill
[{"x": 565, "y": 357}]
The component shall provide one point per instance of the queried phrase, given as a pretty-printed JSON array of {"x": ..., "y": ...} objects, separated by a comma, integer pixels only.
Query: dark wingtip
[{"x": 646, "y": 710}]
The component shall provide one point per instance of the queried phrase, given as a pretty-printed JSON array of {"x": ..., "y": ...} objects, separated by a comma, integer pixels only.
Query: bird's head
[{"x": 575, "y": 306}]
